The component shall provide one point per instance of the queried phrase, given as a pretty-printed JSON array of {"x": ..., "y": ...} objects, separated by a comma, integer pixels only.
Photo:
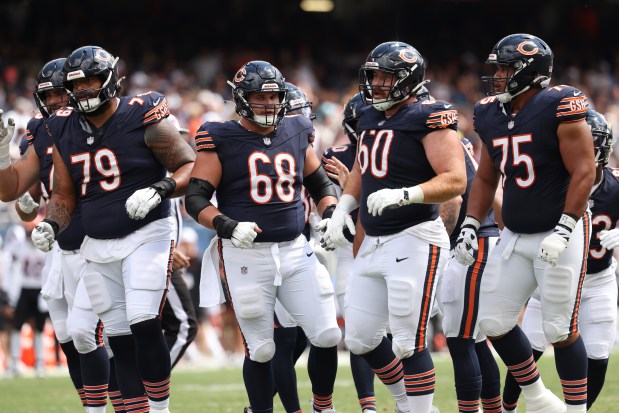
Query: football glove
[
  {"x": 553, "y": 245},
  {"x": 333, "y": 228},
  {"x": 609, "y": 239},
  {"x": 6, "y": 134},
  {"x": 466, "y": 243},
  {"x": 141, "y": 202},
  {"x": 26, "y": 203},
  {"x": 393, "y": 198},
  {"x": 243, "y": 235},
  {"x": 44, "y": 235}
]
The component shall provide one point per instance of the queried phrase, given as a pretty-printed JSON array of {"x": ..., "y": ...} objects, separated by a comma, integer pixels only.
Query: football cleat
[{"x": 546, "y": 402}]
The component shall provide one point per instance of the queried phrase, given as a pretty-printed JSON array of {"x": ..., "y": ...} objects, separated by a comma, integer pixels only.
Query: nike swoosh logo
[
  {"x": 155, "y": 103},
  {"x": 310, "y": 254},
  {"x": 576, "y": 93},
  {"x": 401, "y": 259},
  {"x": 447, "y": 106}
]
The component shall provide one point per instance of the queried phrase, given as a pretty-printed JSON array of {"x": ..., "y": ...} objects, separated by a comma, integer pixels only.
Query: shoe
[
  {"x": 546, "y": 402},
  {"x": 368, "y": 411},
  {"x": 247, "y": 410},
  {"x": 326, "y": 411},
  {"x": 434, "y": 409},
  {"x": 164, "y": 410}
]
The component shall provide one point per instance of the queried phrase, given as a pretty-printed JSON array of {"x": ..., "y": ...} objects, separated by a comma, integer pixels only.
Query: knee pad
[
  {"x": 400, "y": 294},
  {"x": 557, "y": 284},
  {"x": 553, "y": 332},
  {"x": 328, "y": 338},
  {"x": 100, "y": 298},
  {"x": 61, "y": 330},
  {"x": 492, "y": 327},
  {"x": 356, "y": 346},
  {"x": 83, "y": 340},
  {"x": 248, "y": 302},
  {"x": 401, "y": 350},
  {"x": 263, "y": 353}
]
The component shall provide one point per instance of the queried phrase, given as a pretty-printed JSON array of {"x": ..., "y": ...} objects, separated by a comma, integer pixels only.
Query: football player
[
  {"x": 538, "y": 146},
  {"x": 113, "y": 154},
  {"x": 258, "y": 165},
  {"x": 409, "y": 159},
  {"x": 597, "y": 316},
  {"x": 81, "y": 337}
]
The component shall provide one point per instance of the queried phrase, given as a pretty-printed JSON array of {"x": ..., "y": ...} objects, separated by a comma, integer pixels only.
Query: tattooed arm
[
  {"x": 64, "y": 195},
  {"x": 171, "y": 151},
  {"x": 449, "y": 211}
]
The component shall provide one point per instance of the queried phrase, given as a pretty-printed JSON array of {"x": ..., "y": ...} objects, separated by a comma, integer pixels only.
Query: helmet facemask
[
  {"x": 41, "y": 96},
  {"x": 93, "y": 101},
  {"x": 399, "y": 86},
  {"x": 263, "y": 118}
]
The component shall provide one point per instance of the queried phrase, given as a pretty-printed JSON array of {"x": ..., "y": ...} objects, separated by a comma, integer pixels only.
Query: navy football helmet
[
  {"x": 602, "y": 136},
  {"x": 297, "y": 103},
  {"x": 530, "y": 61},
  {"x": 49, "y": 78},
  {"x": 91, "y": 61},
  {"x": 351, "y": 116},
  {"x": 400, "y": 59},
  {"x": 259, "y": 76}
]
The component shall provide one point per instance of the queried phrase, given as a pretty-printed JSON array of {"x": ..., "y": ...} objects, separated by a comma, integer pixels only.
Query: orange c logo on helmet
[
  {"x": 240, "y": 75},
  {"x": 102, "y": 56},
  {"x": 408, "y": 56},
  {"x": 529, "y": 43}
]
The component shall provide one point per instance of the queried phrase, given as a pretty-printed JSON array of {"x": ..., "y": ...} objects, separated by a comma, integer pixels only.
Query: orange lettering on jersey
[
  {"x": 532, "y": 48},
  {"x": 487, "y": 100}
]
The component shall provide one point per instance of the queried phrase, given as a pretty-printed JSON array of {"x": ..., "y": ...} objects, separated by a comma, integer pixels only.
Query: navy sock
[
  {"x": 596, "y": 373},
  {"x": 511, "y": 391},
  {"x": 322, "y": 369},
  {"x": 467, "y": 373},
  {"x": 571, "y": 363},
  {"x": 153, "y": 358},
  {"x": 490, "y": 378},
  {"x": 113, "y": 391},
  {"x": 363, "y": 376},
  {"x": 282, "y": 364},
  {"x": 258, "y": 378},
  {"x": 517, "y": 354},
  {"x": 96, "y": 375},
  {"x": 419, "y": 375},
  {"x": 384, "y": 363},
  {"x": 127, "y": 373},
  {"x": 301, "y": 344},
  {"x": 75, "y": 370}
]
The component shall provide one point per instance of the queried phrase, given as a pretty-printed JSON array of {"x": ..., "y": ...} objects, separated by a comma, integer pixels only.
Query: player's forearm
[
  {"x": 60, "y": 210},
  {"x": 24, "y": 216},
  {"x": 449, "y": 212},
  {"x": 353, "y": 185},
  {"x": 324, "y": 203},
  {"x": 181, "y": 177},
  {"x": 578, "y": 193},
  {"x": 9, "y": 185},
  {"x": 443, "y": 187},
  {"x": 480, "y": 199}
]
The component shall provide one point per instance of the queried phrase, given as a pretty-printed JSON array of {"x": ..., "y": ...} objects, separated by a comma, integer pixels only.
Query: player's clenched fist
[
  {"x": 44, "y": 235},
  {"x": 466, "y": 244}
]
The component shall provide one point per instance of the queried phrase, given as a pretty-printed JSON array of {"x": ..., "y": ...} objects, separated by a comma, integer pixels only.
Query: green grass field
[{"x": 207, "y": 391}]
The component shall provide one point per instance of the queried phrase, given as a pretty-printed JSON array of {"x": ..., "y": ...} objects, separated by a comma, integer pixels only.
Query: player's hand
[
  {"x": 337, "y": 170},
  {"x": 609, "y": 239},
  {"x": 393, "y": 198},
  {"x": 43, "y": 236},
  {"x": 333, "y": 229},
  {"x": 26, "y": 203},
  {"x": 6, "y": 134},
  {"x": 466, "y": 243},
  {"x": 553, "y": 245},
  {"x": 244, "y": 234},
  {"x": 142, "y": 202},
  {"x": 180, "y": 260}
]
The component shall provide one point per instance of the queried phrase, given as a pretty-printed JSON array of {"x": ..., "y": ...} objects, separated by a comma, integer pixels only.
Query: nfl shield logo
[
  {"x": 510, "y": 125},
  {"x": 90, "y": 140},
  {"x": 267, "y": 141},
  {"x": 243, "y": 270}
]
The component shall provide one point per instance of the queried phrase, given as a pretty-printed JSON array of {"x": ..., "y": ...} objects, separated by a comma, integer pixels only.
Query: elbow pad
[
  {"x": 198, "y": 196},
  {"x": 319, "y": 185}
]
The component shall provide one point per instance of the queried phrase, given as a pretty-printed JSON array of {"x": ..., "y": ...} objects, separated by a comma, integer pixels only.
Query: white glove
[
  {"x": 466, "y": 244},
  {"x": 43, "y": 236},
  {"x": 26, "y": 203},
  {"x": 609, "y": 239},
  {"x": 333, "y": 228},
  {"x": 326, "y": 258},
  {"x": 553, "y": 245},
  {"x": 141, "y": 202},
  {"x": 6, "y": 134},
  {"x": 393, "y": 198},
  {"x": 243, "y": 235}
]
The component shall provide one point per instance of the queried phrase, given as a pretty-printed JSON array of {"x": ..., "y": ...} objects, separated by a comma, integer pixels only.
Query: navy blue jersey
[
  {"x": 41, "y": 142},
  {"x": 345, "y": 154},
  {"x": 525, "y": 149},
  {"x": 110, "y": 163},
  {"x": 391, "y": 155},
  {"x": 604, "y": 203},
  {"x": 261, "y": 174},
  {"x": 488, "y": 227}
]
